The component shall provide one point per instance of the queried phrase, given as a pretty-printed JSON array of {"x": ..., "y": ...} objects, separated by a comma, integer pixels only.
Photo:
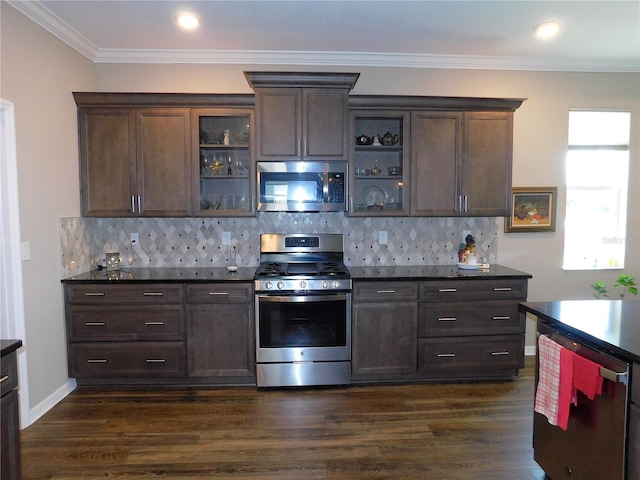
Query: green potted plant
[{"x": 627, "y": 282}]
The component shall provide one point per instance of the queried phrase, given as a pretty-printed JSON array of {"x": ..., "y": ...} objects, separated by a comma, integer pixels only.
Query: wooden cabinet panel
[
  {"x": 107, "y": 161},
  {"x": 279, "y": 123},
  {"x": 463, "y": 290},
  {"x": 384, "y": 291},
  {"x": 384, "y": 338},
  {"x": 435, "y": 162},
  {"x": 487, "y": 158},
  {"x": 470, "y": 353},
  {"x": 127, "y": 359},
  {"x": 437, "y": 319},
  {"x": 125, "y": 323},
  {"x": 134, "y": 293},
  {"x": 135, "y": 161},
  {"x": 221, "y": 340},
  {"x": 10, "y": 437},
  {"x": 164, "y": 161},
  {"x": 326, "y": 121},
  {"x": 633, "y": 463},
  {"x": 461, "y": 163},
  {"x": 8, "y": 373},
  {"x": 220, "y": 293}
]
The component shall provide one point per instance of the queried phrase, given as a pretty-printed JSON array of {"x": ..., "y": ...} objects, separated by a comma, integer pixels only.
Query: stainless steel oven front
[{"x": 303, "y": 338}]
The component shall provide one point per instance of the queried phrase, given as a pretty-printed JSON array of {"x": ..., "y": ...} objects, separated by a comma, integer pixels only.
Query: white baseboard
[
  {"x": 51, "y": 401},
  {"x": 530, "y": 350}
]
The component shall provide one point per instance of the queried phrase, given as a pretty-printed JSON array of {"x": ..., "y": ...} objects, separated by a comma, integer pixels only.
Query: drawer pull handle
[
  {"x": 385, "y": 291},
  {"x": 496, "y": 354},
  {"x": 441, "y": 355},
  {"x": 155, "y": 360},
  {"x": 447, "y": 319},
  {"x": 97, "y": 360},
  {"x": 153, "y": 294},
  {"x": 94, "y": 294},
  {"x": 502, "y": 289},
  {"x": 445, "y": 290},
  {"x": 154, "y": 323},
  {"x": 218, "y": 293},
  {"x": 501, "y": 317},
  {"x": 4, "y": 378},
  {"x": 95, "y": 324}
]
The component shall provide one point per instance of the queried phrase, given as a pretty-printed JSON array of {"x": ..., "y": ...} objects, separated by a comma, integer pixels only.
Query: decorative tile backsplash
[{"x": 197, "y": 242}]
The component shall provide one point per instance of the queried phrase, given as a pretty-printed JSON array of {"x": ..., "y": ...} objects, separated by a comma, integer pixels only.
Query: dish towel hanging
[
  {"x": 555, "y": 382},
  {"x": 586, "y": 378}
]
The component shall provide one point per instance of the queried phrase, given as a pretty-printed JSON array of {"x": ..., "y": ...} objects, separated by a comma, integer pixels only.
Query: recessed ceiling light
[
  {"x": 188, "y": 21},
  {"x": 547, "y": 29}
]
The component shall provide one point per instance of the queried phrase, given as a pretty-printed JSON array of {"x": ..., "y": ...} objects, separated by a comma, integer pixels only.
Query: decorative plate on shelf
[{"x": 375, "y": 195}]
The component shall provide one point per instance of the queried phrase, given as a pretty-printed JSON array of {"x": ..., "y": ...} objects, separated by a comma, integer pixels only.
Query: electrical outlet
[
  {"x": 226, "y": 238},
  {"x": 135, "y": 239},
  {"x": 382, "y": 237},
  {"x": 464, "y": 235}
]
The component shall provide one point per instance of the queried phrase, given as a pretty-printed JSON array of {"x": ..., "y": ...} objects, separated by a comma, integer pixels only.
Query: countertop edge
[{"x": 9, "y": 346}]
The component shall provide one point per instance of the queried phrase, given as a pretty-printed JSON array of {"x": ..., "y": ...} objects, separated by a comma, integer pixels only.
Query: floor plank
[{"x": 426, "y": 431}]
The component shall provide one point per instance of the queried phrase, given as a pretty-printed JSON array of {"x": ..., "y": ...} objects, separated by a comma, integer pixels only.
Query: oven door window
[{"x": 302, "y": 321}]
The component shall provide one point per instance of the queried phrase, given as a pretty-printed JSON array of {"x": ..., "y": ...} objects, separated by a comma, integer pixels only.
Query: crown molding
[
  {"x": 35, "y": 11},
  {"x": 362, "y": 59},
  {"x": 41, "y": 15}
]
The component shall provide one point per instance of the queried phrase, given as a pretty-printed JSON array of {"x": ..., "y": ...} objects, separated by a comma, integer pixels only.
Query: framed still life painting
[{"x": 533, "y": 209}]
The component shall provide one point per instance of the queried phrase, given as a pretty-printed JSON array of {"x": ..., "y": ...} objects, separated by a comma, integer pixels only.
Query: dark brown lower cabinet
[
  {"x": 10, "y": 417},
  {"x": 633, "y": 456}
]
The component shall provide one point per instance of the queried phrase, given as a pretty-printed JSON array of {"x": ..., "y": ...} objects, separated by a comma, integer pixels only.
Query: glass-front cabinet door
[
  {"x": 379, "y": 168},
  {"x": 224, "y": 158}
]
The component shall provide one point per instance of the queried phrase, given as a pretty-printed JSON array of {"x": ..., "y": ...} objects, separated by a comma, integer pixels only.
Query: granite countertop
[
  {"x": 165, "y": 275},
  {"x": 433, "y": 272},
  {"x": 8, "y": 346},
  {"x": 246, "y": 274},
  {"x": 613, "y": 325}
]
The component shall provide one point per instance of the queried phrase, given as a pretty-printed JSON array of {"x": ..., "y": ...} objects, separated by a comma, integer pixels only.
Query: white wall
[{"x": 39, "y": 74}]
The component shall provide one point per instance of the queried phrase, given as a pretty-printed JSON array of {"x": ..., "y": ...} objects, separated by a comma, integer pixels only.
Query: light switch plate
[
  {"x": 135, "y": 239},
  {"x": 26, "y": 251},
  {"x": 226, "y": 238},
  {"x": 382, "y": 237}
]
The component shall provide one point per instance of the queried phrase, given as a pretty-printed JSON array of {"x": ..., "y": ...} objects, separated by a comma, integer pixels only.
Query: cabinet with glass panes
[
  {"x": 224, "y": 162},
  {"x": 379, "y": 169}
]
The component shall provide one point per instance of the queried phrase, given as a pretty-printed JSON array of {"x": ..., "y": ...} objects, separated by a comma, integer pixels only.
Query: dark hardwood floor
[{"x": 426, "y": 431}]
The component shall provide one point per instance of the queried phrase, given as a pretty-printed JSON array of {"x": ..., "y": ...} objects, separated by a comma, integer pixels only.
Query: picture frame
[{"x": 533, "y": 209}]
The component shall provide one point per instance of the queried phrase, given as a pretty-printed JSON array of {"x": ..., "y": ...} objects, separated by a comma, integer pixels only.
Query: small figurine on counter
[{"x": 467, "y": 248}]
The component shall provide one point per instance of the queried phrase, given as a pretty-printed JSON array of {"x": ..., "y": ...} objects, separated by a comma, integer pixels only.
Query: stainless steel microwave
[{"x": 302, "y": 186}]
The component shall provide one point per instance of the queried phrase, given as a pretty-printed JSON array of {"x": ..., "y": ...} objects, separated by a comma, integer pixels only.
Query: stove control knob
[
  {"x": 336, "y": 284},
  {"x": 303, "y": 284},
  {"x": 280, "y": 285},
  {"x": 268, "y": 285},
  {"x": 325, "y": 284}
]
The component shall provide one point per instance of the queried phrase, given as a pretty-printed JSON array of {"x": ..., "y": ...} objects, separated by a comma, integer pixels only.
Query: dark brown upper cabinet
[
  {"x": 135, "y": 161},
  {"x": 302, "y": 116}
]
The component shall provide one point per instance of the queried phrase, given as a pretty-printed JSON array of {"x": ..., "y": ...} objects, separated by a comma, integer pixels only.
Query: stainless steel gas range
[{"x": 303, "y": 311}]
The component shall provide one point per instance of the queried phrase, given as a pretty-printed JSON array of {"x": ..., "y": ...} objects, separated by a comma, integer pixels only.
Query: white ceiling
[{"x": 596, "y": 36}]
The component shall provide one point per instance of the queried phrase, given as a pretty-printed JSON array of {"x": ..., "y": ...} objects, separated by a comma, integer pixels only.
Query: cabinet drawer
[
  {"x": 122, "y": 322},
  {"x": 131, "y": 359},
  {"x": 220, "y": 293},
  {"x": 384, "y": 291},
  {"x": 485, "y": 289},
  {"x": 9, "y": 373},
  {"x": 100, "y": 294},
  {"x": 470, "y": 353},
  {"x": 437, "y": 319}
]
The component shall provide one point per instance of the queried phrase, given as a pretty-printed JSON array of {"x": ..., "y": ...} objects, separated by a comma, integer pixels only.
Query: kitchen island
[{"x": 603, "y": 433}]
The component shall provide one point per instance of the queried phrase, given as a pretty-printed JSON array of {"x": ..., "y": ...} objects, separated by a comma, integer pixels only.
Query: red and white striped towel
[{"x": 555, "y": 372}]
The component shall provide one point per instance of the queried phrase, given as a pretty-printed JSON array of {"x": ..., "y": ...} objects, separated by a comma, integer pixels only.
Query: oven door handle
[{"x": 301, "y": 298}]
